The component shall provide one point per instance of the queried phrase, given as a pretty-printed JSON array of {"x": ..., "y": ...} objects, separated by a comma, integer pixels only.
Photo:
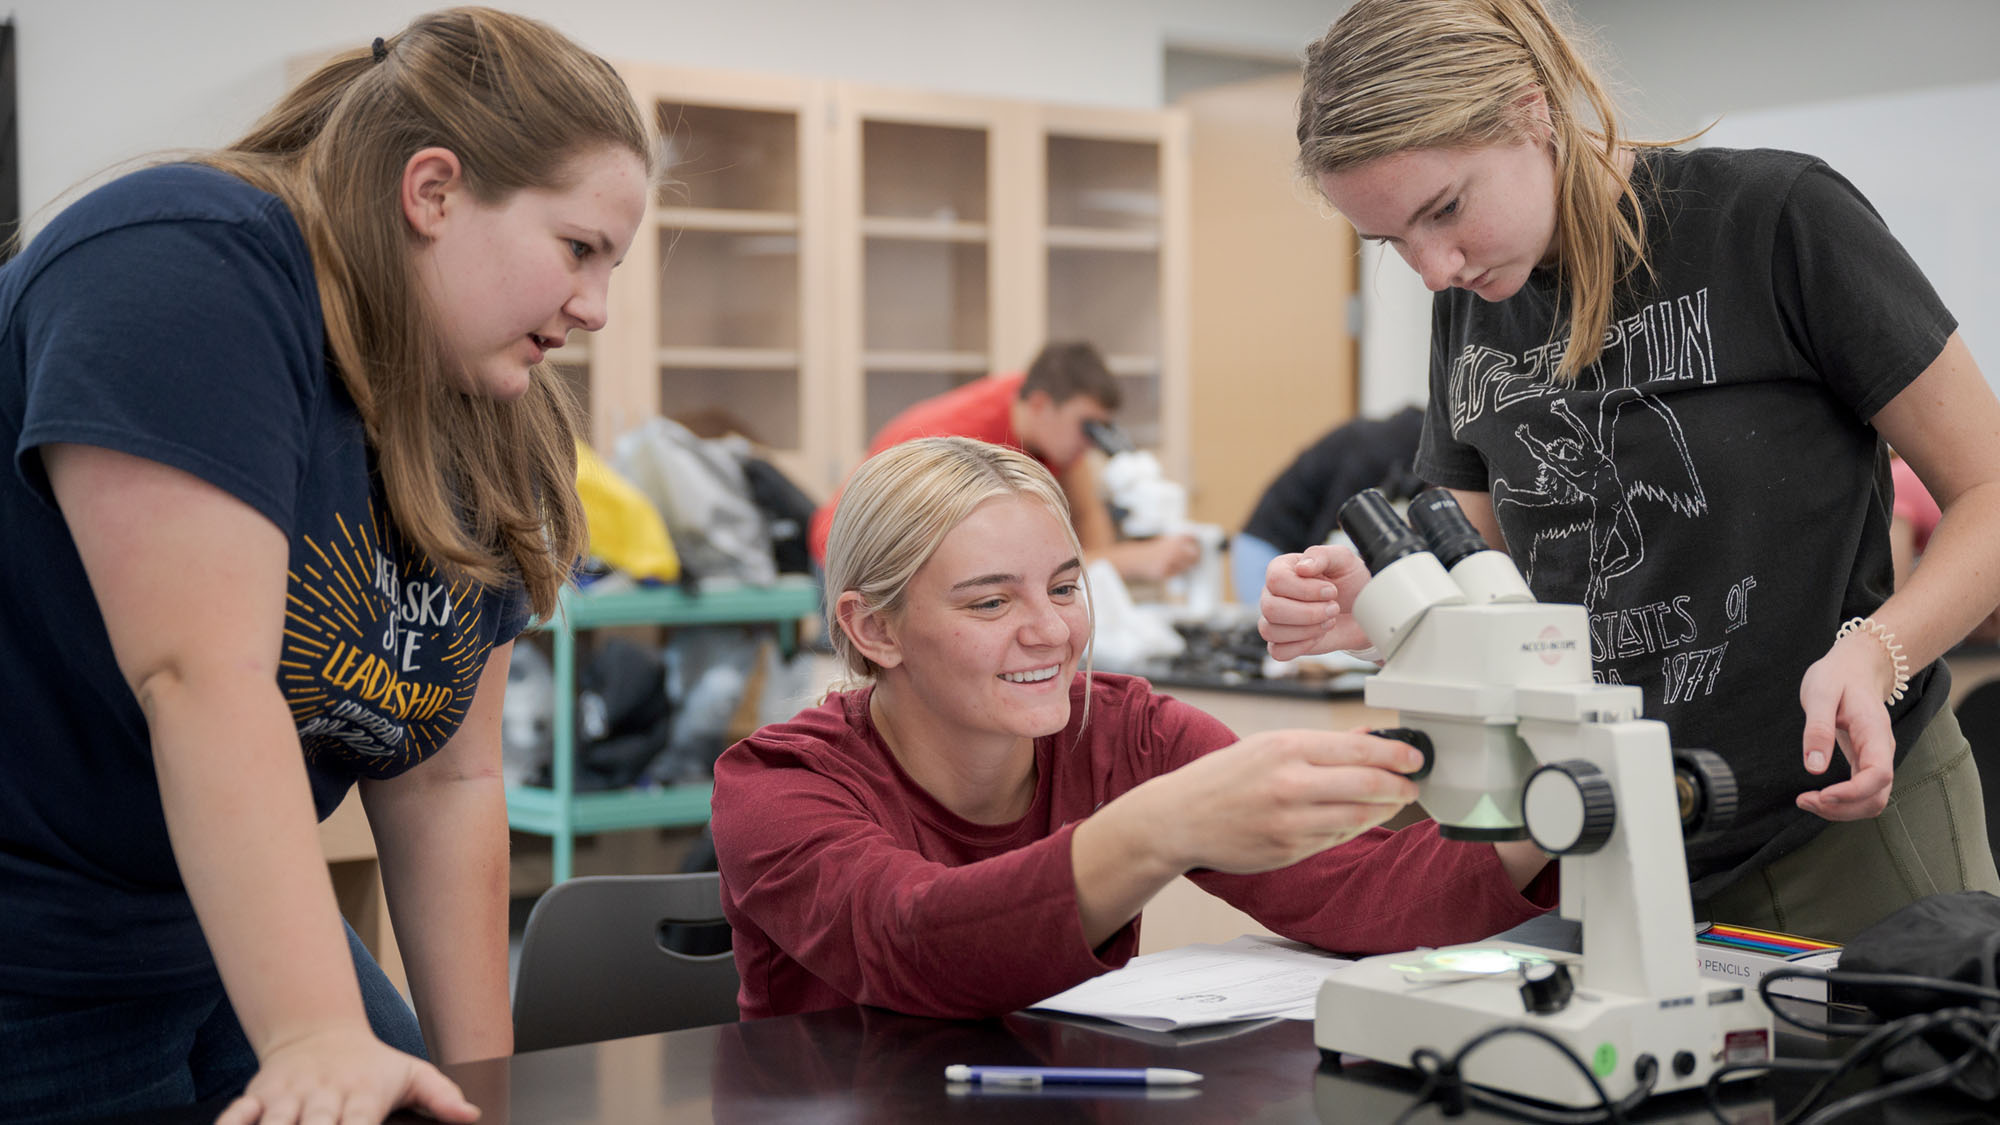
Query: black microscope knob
[
  {"x": 1416, "y": 738},
  {"x": 1546, "y": 987},
  {"x": 1705, "y": 787}
]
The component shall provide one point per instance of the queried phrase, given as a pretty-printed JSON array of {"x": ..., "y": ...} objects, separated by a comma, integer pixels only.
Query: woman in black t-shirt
[{"x": 1663, "y": 380}]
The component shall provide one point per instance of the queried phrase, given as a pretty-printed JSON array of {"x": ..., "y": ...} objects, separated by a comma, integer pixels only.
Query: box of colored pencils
[{"x": 1743, "y": 955}]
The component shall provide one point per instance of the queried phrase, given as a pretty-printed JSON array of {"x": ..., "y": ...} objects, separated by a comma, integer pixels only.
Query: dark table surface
[{"x": 868, "y": 1065}]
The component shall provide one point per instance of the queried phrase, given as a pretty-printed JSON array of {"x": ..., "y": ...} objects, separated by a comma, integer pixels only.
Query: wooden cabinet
[
  {"x": 825, "y": 254},
  {"x": 1114, "y": 223},
  {"x": 720, "y": 305},
  {"x": 917, "y": 253}
]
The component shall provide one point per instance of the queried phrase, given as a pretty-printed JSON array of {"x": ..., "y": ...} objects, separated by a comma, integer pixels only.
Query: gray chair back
[{"x": 596, "y": 963}]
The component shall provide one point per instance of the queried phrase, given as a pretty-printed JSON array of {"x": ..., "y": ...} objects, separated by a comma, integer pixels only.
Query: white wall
[
  {"x": 1682, "y": 62},
  {"x": 105, "y": 80},
  {"x": 1884, "y": 90},
  {"x": 1905, "y": 153},
  {"x": 1900, "y": 97},
  {"x": 102, "y": 81}
]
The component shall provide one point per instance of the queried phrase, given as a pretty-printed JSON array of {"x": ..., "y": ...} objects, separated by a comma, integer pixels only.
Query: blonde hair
[
  {"x": 1394, "y": 75},
  {"x": 897, "y": 509},
  {"x": 486, "y": 488}
]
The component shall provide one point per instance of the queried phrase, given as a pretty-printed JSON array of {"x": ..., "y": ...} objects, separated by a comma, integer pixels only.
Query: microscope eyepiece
[
  {"x": 1108, "y": 438},
  {"x": 1380, "y": 535},
  {"x": 1443, "y": 524}
]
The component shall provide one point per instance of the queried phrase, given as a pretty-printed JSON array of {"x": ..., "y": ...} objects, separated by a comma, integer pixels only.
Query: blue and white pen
[{"x": 1071, "y": 1075}]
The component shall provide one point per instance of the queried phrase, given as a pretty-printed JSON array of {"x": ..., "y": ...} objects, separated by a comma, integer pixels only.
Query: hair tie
[
  {"x": 1899, "y": 664},
  {"x": 381, "y": 49}
]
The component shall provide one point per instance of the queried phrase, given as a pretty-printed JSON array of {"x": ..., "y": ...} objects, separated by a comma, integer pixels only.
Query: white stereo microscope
[
  {"x": 1519, "y": 742},
  {"x": 1147, "y": 504}
]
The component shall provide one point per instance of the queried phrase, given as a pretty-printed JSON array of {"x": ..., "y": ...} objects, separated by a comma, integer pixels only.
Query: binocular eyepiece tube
[
  {"x": 1436, "y": 524},
  {"x": 1437, "y": 557},
  {"x": 1443, "y": 524}
]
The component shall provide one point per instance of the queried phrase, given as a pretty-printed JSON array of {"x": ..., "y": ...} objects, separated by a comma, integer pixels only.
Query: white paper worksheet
[{"x": 1249, "y": 978}]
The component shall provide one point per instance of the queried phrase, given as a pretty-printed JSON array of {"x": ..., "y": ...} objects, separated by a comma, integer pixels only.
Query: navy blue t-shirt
[{"x": 173, "y": 315}]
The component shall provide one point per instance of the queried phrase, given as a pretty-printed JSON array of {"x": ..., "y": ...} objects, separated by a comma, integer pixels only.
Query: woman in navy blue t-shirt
[{"x": 289, "y": 472}]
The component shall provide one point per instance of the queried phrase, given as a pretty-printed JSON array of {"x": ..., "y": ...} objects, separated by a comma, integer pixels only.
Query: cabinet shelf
[
  {"x": 924, "y": 230},
  {"x": 973, "y": 362},
  {"x": 722, "y": 219},
  {"x": 829, "y": 253},
  {"x": 1102, "y": 238},
  {"x": 1132, "y": 364},
  {"x": 558, "y": 810},
  {"x": 734, "y": 359}
]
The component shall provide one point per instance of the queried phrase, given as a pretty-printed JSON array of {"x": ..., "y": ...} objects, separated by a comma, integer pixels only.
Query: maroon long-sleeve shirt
[{"x": 847, "y": 883}]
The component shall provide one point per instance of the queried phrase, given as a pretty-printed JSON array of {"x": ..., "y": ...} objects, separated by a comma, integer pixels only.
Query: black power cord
[
  {"x": 1444, "y": 1083},
  {"x": 1977, "y": 1030}
]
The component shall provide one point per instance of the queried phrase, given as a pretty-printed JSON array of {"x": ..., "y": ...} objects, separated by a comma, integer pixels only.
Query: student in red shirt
[
  {"x": 975, "y": 826},
  {"x": 1042, "y": 412}
]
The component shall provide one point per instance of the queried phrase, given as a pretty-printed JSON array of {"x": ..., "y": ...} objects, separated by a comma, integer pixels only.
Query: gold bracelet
[{"x": 1902, "y": 663}]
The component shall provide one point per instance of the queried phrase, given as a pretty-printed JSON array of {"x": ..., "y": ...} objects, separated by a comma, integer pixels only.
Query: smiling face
[
  {"x": 507, "y": 281},
  {"x": 990, "y": 632},
  {"x": 1478, "y": 218}
]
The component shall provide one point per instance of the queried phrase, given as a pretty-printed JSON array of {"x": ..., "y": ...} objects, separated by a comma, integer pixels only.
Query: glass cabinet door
[
  {"x": 728, "y": 226},
  {"x": 914, "y": 273},
  {"x": 1104, "y": 216},
  {"x": 925, "y": 269}
]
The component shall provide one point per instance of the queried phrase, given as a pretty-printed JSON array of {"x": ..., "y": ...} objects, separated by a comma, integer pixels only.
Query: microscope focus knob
[
  {"x": 1705, "y": 786},
  {"x": 1546, "y": 987},
  {"x": 1569, "y": 807},
  {"x": 1415, "y": 738}
]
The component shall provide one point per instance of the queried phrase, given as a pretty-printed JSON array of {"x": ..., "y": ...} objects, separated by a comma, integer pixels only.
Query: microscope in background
[
  {"x": 1518, "y": 741},
  {"x": 1144, "y": 503}
]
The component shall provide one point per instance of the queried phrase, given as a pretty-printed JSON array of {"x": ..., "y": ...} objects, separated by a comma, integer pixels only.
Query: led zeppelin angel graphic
[
  {"x": 1587, "y": 501},
  {"x": 382, "y": 653}
]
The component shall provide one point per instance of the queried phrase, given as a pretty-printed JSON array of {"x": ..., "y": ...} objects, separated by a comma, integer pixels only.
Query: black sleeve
[
  {"x": 1859, "y": 310},
  {"x": 1441, "y": 458}
]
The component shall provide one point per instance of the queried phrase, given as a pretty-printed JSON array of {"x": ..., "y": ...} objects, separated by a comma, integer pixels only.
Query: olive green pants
[{"x": 1930, "y": 840}]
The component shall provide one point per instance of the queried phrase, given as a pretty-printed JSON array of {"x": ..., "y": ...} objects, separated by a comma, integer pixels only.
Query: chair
[
  {"x": 1978, "y": 714},
  {"x": 601, "y": 959}
]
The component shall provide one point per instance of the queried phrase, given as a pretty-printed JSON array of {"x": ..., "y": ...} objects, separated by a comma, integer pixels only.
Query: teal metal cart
[{"x": 559, "y": 811}]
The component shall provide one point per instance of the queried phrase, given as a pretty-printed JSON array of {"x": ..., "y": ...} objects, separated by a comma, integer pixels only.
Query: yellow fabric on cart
[{"x": 626, "y": 530}]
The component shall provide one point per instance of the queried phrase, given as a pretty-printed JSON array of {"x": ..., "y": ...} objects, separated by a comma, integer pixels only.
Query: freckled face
[
  {"x": 1469, "y": 218},
  {"x": 992, "y": 629},
  {"x": 507, "y": 281}
]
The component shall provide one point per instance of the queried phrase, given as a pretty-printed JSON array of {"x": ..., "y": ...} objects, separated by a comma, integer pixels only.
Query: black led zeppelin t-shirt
[{"x": 1710, "y": 489}]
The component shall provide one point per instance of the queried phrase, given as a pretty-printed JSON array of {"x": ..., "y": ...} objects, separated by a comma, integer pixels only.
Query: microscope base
[{"x": 1373, "y": 1009}]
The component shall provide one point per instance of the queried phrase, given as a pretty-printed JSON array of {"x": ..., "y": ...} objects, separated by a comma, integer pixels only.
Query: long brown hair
[
  {"x": 486, "y": 488},
  {"x": 1395, "y": 75}
]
